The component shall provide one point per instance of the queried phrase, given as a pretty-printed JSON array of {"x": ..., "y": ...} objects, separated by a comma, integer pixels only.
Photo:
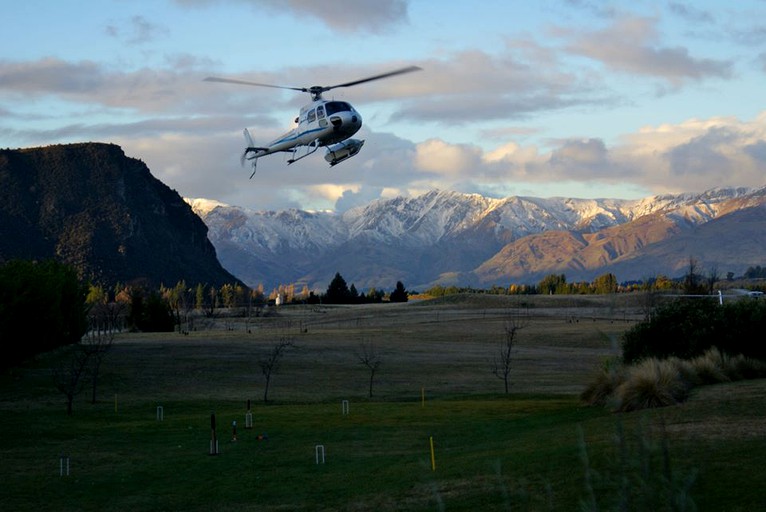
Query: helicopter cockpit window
[
  {"x": 336, "y": 106},
  {"x": 312, "y": 116},
  {"x": 320, "y": 112}
]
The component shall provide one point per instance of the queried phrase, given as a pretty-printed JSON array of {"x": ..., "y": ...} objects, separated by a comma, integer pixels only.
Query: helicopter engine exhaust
[{"x": 343, "y": 151}]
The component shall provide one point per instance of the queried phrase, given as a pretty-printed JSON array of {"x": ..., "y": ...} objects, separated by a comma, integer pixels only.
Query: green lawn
[{"x": 522, "y": 451}]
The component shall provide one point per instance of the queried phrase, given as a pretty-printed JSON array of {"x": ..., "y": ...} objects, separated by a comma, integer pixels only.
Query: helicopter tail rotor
[{"x": 251, "y": 148}]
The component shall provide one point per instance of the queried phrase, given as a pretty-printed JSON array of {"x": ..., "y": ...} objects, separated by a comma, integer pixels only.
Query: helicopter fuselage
[{"x": 321, "y": 123}]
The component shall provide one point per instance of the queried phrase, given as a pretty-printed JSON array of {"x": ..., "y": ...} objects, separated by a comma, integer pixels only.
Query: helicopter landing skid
[{"x": 312, "y": 147}]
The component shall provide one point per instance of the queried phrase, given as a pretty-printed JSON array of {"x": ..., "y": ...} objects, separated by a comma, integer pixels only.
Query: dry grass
[
  {"x": 651, "y": 383},
  {"x": 600, "y": 390},
  {"x": 445, "y": 348},
  {"x": 660, "y": 383}
]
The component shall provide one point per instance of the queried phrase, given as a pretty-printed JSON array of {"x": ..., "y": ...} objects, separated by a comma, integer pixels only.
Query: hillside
[{"x": 90, "y": 206}]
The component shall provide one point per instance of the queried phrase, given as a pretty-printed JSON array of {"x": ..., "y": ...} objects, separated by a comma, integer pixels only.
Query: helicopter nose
[{"x": 346, "y": 122}]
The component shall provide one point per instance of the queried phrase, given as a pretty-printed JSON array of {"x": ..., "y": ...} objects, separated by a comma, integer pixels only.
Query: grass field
[{"x": 492, "y": 451}]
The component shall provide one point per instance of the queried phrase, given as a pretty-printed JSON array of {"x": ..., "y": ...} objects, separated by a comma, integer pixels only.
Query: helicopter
[{"x": 321, "y": 123}]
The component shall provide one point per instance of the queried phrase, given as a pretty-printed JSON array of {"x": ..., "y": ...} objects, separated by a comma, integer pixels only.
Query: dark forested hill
[{"x": 90, "y": 206}]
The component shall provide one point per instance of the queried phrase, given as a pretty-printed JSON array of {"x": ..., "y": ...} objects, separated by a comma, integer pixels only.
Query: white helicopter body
[{"x": 322, "y": 123}]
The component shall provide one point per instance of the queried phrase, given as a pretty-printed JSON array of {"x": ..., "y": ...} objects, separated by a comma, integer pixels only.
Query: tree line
[
  {"x": 30, "y": 291},
  {"x": 44, "y": 305},
  {"x": 694, "y": 281}
]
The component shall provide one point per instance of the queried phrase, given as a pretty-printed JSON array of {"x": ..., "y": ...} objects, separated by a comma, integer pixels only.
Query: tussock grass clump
[
  {"x": 663, "y": 382},
  {"x": 709, "y": 368},
  {"x": 745, "y": 368},
  {"x": 603, "y": 384},
  {"x": 651, "y": 383}
]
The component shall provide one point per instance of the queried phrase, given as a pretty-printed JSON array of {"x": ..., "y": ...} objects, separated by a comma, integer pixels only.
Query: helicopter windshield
[{"x": 337, "y": 106}]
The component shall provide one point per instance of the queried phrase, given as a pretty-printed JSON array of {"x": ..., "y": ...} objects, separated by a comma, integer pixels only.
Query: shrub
[{"x": 688, "y": 328}]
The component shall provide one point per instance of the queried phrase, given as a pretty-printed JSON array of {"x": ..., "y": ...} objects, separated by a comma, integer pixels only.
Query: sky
[{"x": 559, "y": 98}]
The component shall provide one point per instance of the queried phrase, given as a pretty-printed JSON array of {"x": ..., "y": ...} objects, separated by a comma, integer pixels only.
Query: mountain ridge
[
  {"x": 92, "y": 207},
  {"x": 446, "y": 237}
]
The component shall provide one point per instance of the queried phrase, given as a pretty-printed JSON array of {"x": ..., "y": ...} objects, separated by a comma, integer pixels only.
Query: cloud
[
  {"x": 630, "y": 45},
  {"x": 200, "y": 158},
  {"x": 581, "y": 157},
  {"x": 448, "y": 160},
  {"x": 348, "y": 16},
  {"x": 176, "y": 89},
  {"x": 50, "y": 75},
  {"x": 690, "y": 13},
  {"x": 477, "y": 86},
  {"x": 691, "y": 156},
  {"x": 136, "y": 30},
  {"x": 363, "y": 195}
]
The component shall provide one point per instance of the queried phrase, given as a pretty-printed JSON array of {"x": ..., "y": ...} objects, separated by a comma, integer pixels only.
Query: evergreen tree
[
  {"x": 399, "y": 294},
  {"x": 42, "y": 307},
  {"x": 337, "y": 291}
]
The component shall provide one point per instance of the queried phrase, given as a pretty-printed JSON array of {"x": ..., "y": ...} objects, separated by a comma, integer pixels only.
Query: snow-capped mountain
[{"x": 467, "y": 239}]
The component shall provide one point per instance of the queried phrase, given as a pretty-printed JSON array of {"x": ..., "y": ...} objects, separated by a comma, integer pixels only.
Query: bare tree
[
  {"x": 501, "y": 365},
  {"x": 370, "y": 357},
  {"x": 693, "y": 280},
  {"x": 104, "y": 323},
  {"x": 712, "y": 278},
  {"x": 270, "y": 365},
  {"x": 68, "y": 374}
]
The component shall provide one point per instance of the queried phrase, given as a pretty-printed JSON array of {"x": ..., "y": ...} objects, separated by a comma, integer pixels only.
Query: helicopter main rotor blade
[
  {"x": 244, "y": 82},
  {"x": 401, "y": 71}
]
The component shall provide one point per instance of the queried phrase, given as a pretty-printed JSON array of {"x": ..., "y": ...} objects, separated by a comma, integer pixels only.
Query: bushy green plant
[
  {"x": 687, "y": 328},
  {"x": 744, "y": 328},
  {"x": 42, "y": 307}
]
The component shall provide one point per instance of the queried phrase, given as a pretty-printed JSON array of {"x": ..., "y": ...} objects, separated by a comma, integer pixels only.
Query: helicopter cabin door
[{"x": 321, "y": 116}]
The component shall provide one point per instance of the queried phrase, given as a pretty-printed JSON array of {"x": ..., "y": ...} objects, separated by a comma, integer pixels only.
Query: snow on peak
[{"x": 202, "y": 206}]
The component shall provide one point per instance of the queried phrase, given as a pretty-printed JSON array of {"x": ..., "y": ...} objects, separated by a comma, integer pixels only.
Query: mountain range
[
  {"x": 451, "y": 238},
  {"x": 91, "y": 206}
]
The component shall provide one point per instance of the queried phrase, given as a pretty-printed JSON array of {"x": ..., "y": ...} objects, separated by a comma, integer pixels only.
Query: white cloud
[{"x": 447, "y": 160}]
